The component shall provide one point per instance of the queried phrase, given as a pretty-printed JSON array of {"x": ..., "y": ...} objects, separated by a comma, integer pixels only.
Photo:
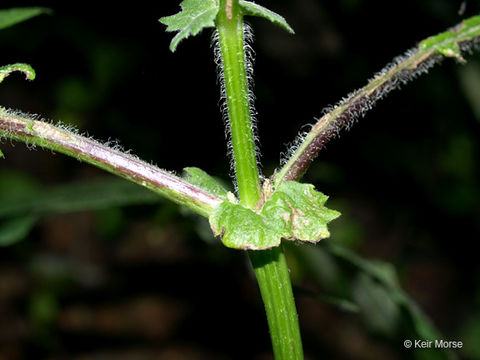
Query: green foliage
[
  {"x": 294, "y": 211},
  {"x": 7, "y": 69},
  {"x": 250, "y": 8},
  {"x": 447, "y": 43},
  {"x": 10, "y": 17},
  {"x": 78, "y": 197},
  {"x": 197, "y": 15},
  {"x": 23, "y": 201},
  {"x": 25, "y": 68},
  {"x": 470, "y": 336},
  {"x": 383, "y": 281},
  {"x": 367, "y": 287},
  {"x": 378, "y": 310},
  {"x": 16, "y": 229},
  {"x": 201, "y": 179},
  {"x": 193, "y": 18}
]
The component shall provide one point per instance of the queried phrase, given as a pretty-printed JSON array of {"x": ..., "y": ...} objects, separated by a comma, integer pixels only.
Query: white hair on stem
[
  {"x": 249, "y": 58},
  {"x": 359, "y": 102}
]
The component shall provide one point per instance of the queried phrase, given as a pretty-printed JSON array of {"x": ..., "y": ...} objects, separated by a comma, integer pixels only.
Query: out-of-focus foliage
[
  {"x": 10, "y": 17},
  {"x": 22, "y": 201}
]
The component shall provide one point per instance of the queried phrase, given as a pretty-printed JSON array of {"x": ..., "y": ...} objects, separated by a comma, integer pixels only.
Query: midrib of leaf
[{"x": 177, "y": 38}]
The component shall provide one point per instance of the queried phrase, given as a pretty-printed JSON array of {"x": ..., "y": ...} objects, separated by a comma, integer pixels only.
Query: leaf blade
[
  {"x": 193, "y": 18},
  {"x": 294, "y": 212},
  {"x": 200, "y": 178},
  {"x": 252, "y": 9}
]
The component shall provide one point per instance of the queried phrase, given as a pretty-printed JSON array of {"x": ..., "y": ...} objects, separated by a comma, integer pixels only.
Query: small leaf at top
[
  {"x": 194, "y": 17},
  {"x": 295, "y": 211},
  {"x": 250, "y": 8},
  {"x": 201, "y": 179},
  {"x": 9, "y": 17}
]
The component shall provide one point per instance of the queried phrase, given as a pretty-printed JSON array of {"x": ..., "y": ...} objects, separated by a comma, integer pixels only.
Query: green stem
[
  {"x": 274, "y": 281},
  {"x": 231, "y": 40},
  {"x": 270, "y": 266}
]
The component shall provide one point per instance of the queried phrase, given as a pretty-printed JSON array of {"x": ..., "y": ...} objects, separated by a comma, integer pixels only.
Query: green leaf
[
  {"x": 1, "y": 154},
  {"x": 447, "y": 43},
  {"x": 25, "y": 68},
  {"x": 242, "y": 228},
  {"x": 194, "y": 17},
  {"x": 250, "y": 8},
  {"x": 76, "y": 197},
  {"x": 201, "y": 179},
  {"x": 16, "y": 229},
  {"x": 9, "y": 17},
  {"x": 294, "y": 211}
]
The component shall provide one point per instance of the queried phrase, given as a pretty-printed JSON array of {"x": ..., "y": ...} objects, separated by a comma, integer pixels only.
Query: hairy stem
[
  {"x": 231, "y": 39},
  {"x": 270, "y": 266},
  {"x": 34, "y": 132},
  {"x": 402, "y": 70}
]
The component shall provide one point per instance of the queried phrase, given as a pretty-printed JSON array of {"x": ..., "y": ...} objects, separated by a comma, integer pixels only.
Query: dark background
[{"x": 148, "y": 282}]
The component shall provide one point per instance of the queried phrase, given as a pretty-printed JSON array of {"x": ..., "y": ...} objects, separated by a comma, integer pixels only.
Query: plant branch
[
  {"x": 403, "y": 69},
  {"x": 34, "y": 132}
]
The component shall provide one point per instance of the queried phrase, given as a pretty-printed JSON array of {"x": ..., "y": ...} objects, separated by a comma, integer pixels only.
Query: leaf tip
[{"x": 253, "y": 9}]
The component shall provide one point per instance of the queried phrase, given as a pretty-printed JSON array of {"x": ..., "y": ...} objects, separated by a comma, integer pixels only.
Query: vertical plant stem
[
  {"x": 274, "y": 281},
  {"x": 270, "y": 266},
  {"x": 231, "y": 39}
]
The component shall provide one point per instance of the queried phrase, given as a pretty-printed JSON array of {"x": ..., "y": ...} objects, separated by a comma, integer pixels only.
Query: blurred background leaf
[
  {"x": 10, "y": 17},
  {"x": 92, "y": 195},
  {"x": 16, "y": 229}
]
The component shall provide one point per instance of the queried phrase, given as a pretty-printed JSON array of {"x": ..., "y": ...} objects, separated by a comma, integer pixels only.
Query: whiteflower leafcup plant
[{"x": 264, "y": 210}]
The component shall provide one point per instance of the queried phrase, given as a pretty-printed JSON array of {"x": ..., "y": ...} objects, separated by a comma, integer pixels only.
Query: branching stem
[{"x": 269, "y": 265}]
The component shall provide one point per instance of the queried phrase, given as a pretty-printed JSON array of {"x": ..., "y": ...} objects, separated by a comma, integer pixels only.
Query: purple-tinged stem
[
  {"x": 403, "y": 69},
  {"x": 34, "y": 132}
]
